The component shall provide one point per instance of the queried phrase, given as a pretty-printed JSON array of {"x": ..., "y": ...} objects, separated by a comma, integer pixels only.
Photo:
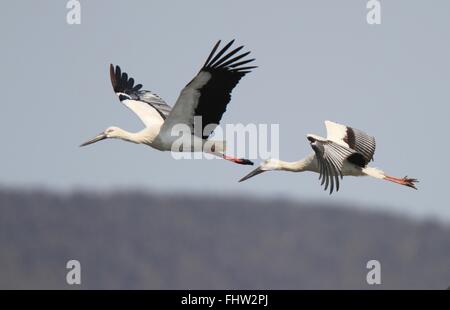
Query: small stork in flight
[
  {"x": 345, "y": 151},
  {"x": 200, "y": 106}
]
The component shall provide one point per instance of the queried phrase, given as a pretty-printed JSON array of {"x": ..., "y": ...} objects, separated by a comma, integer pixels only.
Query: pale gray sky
[{"x": 317, "y": 60}]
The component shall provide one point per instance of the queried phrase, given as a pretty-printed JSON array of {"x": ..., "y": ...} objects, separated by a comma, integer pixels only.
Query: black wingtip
[
  {"x": 219, "y": 54},
  {"x": 112, "y": 76},
  {"x": 121, "y": 81},
  {"x": 211, "y": 54}
]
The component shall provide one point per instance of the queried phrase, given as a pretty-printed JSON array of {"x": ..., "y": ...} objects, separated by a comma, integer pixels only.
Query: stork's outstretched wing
[
  {"x": 331, "y": 157},
  {"x": 209, "y": 92},
  {"x": 149, "y": 107},
  {"x": 352, "y": 138}
]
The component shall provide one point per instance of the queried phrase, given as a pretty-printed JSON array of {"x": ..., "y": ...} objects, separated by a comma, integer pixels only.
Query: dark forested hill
[{"x": 150, "y": 241}]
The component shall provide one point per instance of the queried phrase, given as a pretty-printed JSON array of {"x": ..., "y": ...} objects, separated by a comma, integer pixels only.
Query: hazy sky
[{"x": 317, "y": 60}]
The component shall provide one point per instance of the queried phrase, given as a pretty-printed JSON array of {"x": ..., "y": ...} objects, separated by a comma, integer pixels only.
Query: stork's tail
[
  {"x": 410, "y": 182},
  {"x": 241, "y": 161}
]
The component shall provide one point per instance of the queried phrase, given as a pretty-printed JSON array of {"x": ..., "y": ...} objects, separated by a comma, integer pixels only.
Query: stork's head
[
  {"x": 267, "y": 165},
  {"x": 110, "y": 132}
]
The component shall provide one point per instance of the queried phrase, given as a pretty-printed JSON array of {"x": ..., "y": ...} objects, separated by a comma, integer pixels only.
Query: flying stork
[
  {"x": 200, "y": 106},
  {"x": 345, "y": 151}
]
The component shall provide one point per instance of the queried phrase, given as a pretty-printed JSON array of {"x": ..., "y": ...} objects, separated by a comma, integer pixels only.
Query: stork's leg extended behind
[
  {"x": 379, "y": 174},
  {"x": 241, "y": 161},
  {"x": 218, "y": 148},
  {"x": 402, "y": 181}
]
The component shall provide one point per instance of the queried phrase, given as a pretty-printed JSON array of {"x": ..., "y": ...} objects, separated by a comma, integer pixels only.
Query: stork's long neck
[
  {"x": 135, "y": 137},
  {"x": 306, "y": 164},
  {"x": 145, "y": 136}
]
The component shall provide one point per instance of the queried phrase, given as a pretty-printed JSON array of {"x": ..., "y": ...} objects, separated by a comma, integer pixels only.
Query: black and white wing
[
  {"x": 330, "y": 158},
  {"x": 352, "y": 138},
  {"x": 205, "y": 98},
  {"x": 149, "y": 107}
]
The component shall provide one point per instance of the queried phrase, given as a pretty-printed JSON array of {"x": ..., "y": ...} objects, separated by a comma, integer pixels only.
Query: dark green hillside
[{"x": 133, "y": 241}]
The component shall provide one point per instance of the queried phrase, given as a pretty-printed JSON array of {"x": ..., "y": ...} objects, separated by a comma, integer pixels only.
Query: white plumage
[
  {"x": 345, "y": 152},
  {"x": 200, "y": 105}
]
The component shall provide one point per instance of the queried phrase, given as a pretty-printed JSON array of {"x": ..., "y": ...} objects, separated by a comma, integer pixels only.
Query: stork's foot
[
  {"x": 241, "y": 161},
  {"x": 410, "y": 182}
]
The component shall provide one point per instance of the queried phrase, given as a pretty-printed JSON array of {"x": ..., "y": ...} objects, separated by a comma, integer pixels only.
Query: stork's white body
[
  {"x": 310, "y": 163},
  {"x": 163, "y": 141},
  {"x": 203, "y": 99},
  {"x": 345, "y": 152}
]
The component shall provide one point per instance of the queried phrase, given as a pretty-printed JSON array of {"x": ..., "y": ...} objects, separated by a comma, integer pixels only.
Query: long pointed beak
[
  {"x": 252, "y": 174},
  {"x": 99, "y": 137}
]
